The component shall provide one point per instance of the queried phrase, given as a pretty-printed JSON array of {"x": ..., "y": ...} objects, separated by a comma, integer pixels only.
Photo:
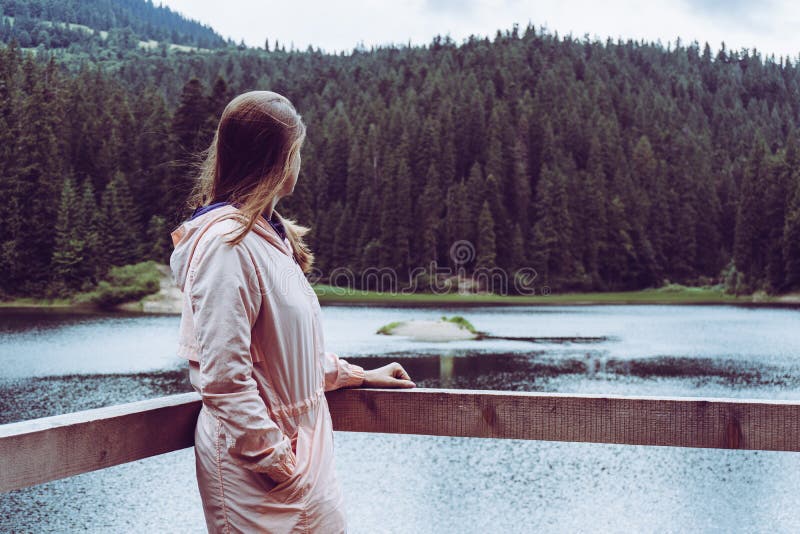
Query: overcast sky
[{"x": 771, "y": 26}]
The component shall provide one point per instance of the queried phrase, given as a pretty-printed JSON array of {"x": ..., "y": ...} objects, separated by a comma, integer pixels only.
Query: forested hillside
[
  {"x": 45, "y": 22},
  {"x": 602, "y": 165}
]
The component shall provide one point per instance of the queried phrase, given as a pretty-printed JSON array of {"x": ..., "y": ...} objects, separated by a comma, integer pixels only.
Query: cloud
[
  {"x": 748, "y": 15},
  {"x": 728, "y": 8},
  {"x": 450, "y": 6},
  {"x": 769, "y": 25}
]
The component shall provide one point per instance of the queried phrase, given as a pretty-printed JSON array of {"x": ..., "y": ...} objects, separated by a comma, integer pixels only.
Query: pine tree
[
  {"x": 159, "y": 239},
  {"x": 10, "y": 255},
  {"x": 389, "y": 221},
  {"x": 336, "y": 151},
  {"x": 751, "y": 234},
  {"x": 477, "y": 192},
  {"x": 188, "y": 127},
  {"x": 190, "y": 117},
  {"x": 538, "y": 256},
  {"x": 431, "y": 214},
  {"x": 90, "y": 221},
  {"x": 791, "y": 236},
  {"x": 593, "y": 219},
  {"x": 777, "y": 198},
  {"x": 516, "y": 250},
  {"x": 456, "y": 225},
  {"x": 119, "y": 230},
  {"x": 38, "y": 174},
  {"x": 341, "y": 249},
  {"x": 70, "y": 247},
  {"x": 217, "y": 100},
  {"x": 519, "y": 196},
  {"x": 500, "y": 217},
  {"x": 553, "y": 237},
  {"x": 487, "y": 247}
]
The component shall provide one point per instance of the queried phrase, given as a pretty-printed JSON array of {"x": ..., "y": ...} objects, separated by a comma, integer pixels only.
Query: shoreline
[
  {"x": 553, "y": 304},
  {"x": 168, "y": 301},
  {"x": 687, "y": 297}
]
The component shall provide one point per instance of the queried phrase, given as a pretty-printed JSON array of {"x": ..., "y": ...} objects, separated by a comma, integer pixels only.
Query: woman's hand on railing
[{"x": 389, "y": 376}]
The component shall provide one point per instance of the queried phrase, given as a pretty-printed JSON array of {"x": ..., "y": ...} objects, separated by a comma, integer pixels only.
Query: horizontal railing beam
[
  {"x": 661, "y": 421},
  {"x": 40, "y": 450}
]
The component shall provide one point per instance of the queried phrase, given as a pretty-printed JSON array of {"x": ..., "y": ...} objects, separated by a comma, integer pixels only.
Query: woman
[{"x": 251, "y": 328}]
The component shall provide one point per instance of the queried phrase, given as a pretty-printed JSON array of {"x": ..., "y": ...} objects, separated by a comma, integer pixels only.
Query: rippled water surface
[{"x": 53, "y": 363}]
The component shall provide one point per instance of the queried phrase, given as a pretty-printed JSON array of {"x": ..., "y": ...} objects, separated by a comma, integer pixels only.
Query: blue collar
[
  {"x": 276, "y": 224},
  {"x": 200, "y": 210}
]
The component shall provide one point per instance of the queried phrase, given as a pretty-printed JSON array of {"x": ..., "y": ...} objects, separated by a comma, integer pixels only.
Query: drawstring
[{"x": 303, "y": 406}]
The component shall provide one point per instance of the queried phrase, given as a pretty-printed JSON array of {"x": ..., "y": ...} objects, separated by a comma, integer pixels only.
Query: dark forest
[{"x": 602, "y": 165}]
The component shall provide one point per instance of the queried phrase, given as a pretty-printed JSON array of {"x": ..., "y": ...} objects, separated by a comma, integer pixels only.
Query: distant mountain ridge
[{"x": 31, "y": 22}]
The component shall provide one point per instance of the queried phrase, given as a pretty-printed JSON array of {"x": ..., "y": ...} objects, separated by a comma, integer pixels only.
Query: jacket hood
[{"x": 187, "y": 236}]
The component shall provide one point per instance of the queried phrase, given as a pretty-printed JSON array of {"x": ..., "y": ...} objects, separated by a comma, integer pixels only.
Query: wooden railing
[{"x": 37, "y": 451}]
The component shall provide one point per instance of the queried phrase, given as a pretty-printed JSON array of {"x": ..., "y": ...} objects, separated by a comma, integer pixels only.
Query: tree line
[
  {"x": 33, "y": 22},
  {"x": 601, "y": 165}
]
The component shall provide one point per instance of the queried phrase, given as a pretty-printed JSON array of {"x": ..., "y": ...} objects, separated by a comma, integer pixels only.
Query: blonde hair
[{"x": 250, "y": 158}]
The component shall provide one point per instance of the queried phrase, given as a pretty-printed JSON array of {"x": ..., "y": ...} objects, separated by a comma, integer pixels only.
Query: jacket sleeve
[
  {"x": 225, "y": 295},
  {"x": 339, "y": 373}
]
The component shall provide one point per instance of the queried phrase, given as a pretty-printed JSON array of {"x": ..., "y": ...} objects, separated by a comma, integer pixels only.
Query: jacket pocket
[{"x": 287, "y": 489}]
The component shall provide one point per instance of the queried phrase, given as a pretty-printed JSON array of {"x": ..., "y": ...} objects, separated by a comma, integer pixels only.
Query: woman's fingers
[
  {"x": 401, "y": 376},
  {"x": 391, "y": 376},
  {"x": 399, "y": 382},
  {"x": 399, "y": 372}
]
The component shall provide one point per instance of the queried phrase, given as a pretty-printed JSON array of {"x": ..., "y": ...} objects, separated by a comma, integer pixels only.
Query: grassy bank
[
  {"x": 122, "y": 284},
  {"x": 37, "y": 303},
  {"x": 668, "y": 295},
  {"x": 125, "y": 289}
]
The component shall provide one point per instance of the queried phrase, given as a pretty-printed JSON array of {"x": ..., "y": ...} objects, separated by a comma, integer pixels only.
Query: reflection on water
[
  {"x": 58, "y": 343},
  {"x": 588, "y": 371},
  {"x": 56, "y": 363}
]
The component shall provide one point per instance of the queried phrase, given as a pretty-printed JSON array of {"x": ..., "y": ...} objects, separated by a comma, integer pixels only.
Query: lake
[{"x": 54, "y": 362}]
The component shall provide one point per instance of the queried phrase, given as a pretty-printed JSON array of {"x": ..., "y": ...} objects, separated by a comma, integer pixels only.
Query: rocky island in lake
[{"x": 444, "y": 329}]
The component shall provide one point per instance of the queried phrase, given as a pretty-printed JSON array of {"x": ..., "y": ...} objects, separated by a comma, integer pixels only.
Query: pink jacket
[{"x": 251, "y": 328}]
